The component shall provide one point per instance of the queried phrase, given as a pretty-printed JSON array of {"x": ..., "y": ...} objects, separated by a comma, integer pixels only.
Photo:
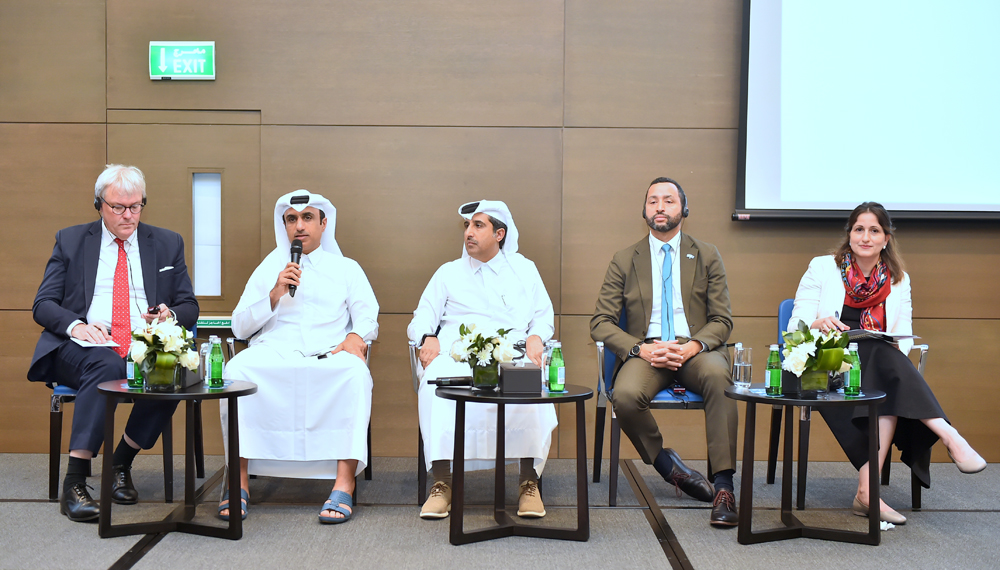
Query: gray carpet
[{"x": 956, "y": 528}]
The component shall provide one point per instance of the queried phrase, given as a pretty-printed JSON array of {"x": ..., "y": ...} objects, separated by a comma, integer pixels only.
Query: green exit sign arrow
[{"x": 182, "y": 60}]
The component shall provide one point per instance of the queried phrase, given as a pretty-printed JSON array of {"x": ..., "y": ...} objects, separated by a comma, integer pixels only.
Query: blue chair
[
  {"x": 784, "y": 314},
  {"x": 62, "y": 395},
  {"x": 607, "y": 369}
]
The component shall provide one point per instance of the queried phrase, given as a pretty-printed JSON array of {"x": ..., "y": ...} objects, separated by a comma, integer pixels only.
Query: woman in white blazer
[{"x": 863, "y": 285}]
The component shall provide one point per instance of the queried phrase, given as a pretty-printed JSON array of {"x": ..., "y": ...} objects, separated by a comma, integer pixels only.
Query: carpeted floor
[{"x": 955, "y": 529}]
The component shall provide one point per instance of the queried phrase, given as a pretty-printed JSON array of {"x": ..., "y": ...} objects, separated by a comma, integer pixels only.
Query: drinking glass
[{"x": 741, "y": 367}]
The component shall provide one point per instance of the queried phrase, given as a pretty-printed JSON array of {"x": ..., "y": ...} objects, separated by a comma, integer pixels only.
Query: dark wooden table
[
  {"x": 118, "y": 390},
  {"x": 793, "y": 527},
  {"x": 506, "y": 525}
]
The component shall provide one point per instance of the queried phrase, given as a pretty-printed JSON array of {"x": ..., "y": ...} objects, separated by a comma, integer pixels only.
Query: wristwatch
[{"x": 635, "y": 350}]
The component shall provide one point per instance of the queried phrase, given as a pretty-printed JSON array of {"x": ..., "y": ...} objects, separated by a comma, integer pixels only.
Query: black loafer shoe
[
  {"x": 724, "y": 510},
  {"x": 77, "y": 504},
  {"x": 122, "y": 490},
  {"x": 688, "y": 480}
]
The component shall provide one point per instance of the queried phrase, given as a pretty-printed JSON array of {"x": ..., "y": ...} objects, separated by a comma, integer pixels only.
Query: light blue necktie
[{"x": 667, "y": 303}]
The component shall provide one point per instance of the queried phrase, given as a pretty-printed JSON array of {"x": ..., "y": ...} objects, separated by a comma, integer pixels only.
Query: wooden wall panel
[
  {"x": 653, "y": 64},
  {"x": 166, "y": 154},
  {"x": 50, "y": 171},
  {"x": 394, "y": 403},
  {"x": 362, "y": 62},
  {"x": 605, "y": 176},
  {"x": 24, "y": 414},
  {"x": 397, "y": 192},
  {"x": 52, "y": 61}
]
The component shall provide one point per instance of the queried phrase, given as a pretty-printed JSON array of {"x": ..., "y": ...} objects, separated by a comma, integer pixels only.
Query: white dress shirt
[
  {"x": 680, "y": 322},
  {"x": 100, "y": 305}
]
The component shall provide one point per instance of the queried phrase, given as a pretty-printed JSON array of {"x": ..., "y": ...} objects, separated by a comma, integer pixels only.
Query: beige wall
[{"x": 399, "y": 112}]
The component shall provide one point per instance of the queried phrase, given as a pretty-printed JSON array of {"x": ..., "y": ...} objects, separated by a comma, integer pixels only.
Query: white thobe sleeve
[
  {"x": 542, "y": 316},
  {"x": 254, "y": 309},
  {"x": 362, "y": 305},
  {"x": 430, "y": 309}
]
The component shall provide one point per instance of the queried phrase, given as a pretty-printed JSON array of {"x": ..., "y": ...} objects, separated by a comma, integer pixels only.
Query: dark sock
[
  {"x": 76, "y": 472},
  {"x": 441, "y": 470},
  {"x": 124, "y": 454},
  {"x": 724, "y": 480},
  {"x": 663, "y": 464},
  {"x": 527, "y": 470}
]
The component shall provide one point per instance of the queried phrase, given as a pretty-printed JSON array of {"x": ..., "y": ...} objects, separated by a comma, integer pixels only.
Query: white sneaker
[
  {"x": 529, "y": 504},
  {"x": 438, "y": 504}
]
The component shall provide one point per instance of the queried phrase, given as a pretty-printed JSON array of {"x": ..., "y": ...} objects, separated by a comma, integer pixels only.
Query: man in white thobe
[
  {"x": 493, "y": 287},
  {"x": 308, "y": 323}
]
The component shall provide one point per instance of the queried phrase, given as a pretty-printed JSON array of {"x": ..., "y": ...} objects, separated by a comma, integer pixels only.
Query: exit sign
[{"x": 182, "y": 60}]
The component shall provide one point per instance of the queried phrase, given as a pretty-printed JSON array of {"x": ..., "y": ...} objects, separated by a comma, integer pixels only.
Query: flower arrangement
[
  {"x": 160, "y": 347},
  {"x": 808, "y": 351},
  {"x": 479, "y": 350}
]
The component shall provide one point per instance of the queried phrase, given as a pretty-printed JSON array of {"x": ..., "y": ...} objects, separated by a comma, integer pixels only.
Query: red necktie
[{"x": 121, "y": 322}]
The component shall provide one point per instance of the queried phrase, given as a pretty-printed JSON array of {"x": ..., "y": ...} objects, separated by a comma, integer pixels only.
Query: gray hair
[{"x": 127, "y": 179}]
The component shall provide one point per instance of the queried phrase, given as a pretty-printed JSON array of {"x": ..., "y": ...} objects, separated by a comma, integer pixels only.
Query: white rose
[
  {"x": 189, "y": 360},
  {"x": 504, "y": 352},
  {"x": 459, "y": 351},
  {"x": 138, "y": 350},
  {"x": 795, "y": 361}
]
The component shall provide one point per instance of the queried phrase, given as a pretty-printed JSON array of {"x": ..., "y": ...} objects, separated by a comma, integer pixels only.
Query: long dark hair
[{"x": 890, "y": 255}]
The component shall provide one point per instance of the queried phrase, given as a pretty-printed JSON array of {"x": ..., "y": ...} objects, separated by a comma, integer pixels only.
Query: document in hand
[
  {"x": 862, "y": 334},
  {"x": 88, "y": 344}
]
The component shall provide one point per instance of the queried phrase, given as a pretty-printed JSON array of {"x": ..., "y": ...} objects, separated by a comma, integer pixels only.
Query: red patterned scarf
[{"x": 867, "y": 294}]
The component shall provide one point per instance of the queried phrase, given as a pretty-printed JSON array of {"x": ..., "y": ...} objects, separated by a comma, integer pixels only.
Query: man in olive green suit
[{"x": 676, "y": 301}]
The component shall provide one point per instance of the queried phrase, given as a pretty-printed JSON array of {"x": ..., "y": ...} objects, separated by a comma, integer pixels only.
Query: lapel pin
[{"x": 690, "y": 256}]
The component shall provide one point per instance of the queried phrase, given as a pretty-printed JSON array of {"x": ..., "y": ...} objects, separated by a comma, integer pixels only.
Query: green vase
[
  {"x": 161, "y": 372},
  {"x": 814, "y": 383},
  {"x": 485, "y": 377}
]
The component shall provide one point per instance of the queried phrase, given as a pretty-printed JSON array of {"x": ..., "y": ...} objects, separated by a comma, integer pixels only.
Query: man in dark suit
[
  {"x": 105, "y": 279},
  {"x": 676, "y": 301}
]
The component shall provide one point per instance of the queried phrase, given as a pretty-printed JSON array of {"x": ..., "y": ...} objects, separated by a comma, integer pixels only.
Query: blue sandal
[
  {"x": 244, "y": 503},
  {"x": 333, "y": 503}
]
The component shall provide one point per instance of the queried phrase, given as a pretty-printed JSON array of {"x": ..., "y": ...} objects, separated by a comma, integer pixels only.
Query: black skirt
[{"x": 885, "y": 368}]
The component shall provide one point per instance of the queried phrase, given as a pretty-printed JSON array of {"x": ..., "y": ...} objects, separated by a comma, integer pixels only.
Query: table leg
[
  {"x": 189, "y": 467},
  {"x": 235, "y": 531},
  {"x": 805, "y": 421},
  {"x": 458, "y": 475},
  {"x": 104, "y": 526},
  {"x": 786, "y": 467},
  {"x": 582, "y": 500},
  {"x": 873, "y": 472},
  {"x": 499, "y": 479},
  {"x": 744, "y": 533}
]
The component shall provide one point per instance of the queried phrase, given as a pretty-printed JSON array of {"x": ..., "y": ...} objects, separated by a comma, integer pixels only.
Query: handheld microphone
[{"x": 296, "y": 256}]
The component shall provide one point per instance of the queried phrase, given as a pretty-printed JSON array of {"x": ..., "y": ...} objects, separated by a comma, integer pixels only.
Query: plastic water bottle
[
  {"x": 853, "y": 385},
  {"x": 557, "y": 369},
  {"x": 215, "y": 364},
  {"x": 772, "y": 374},
  {"x": 203, "y": 351}
]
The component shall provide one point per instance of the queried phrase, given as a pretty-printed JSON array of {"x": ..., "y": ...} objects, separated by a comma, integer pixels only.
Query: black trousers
[{"x": 83, "y": 369}]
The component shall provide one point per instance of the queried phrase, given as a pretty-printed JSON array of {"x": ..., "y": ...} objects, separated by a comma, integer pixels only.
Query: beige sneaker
[
  {"x": 438, "y": 504},
  {"x": 529, "y": 504}
]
